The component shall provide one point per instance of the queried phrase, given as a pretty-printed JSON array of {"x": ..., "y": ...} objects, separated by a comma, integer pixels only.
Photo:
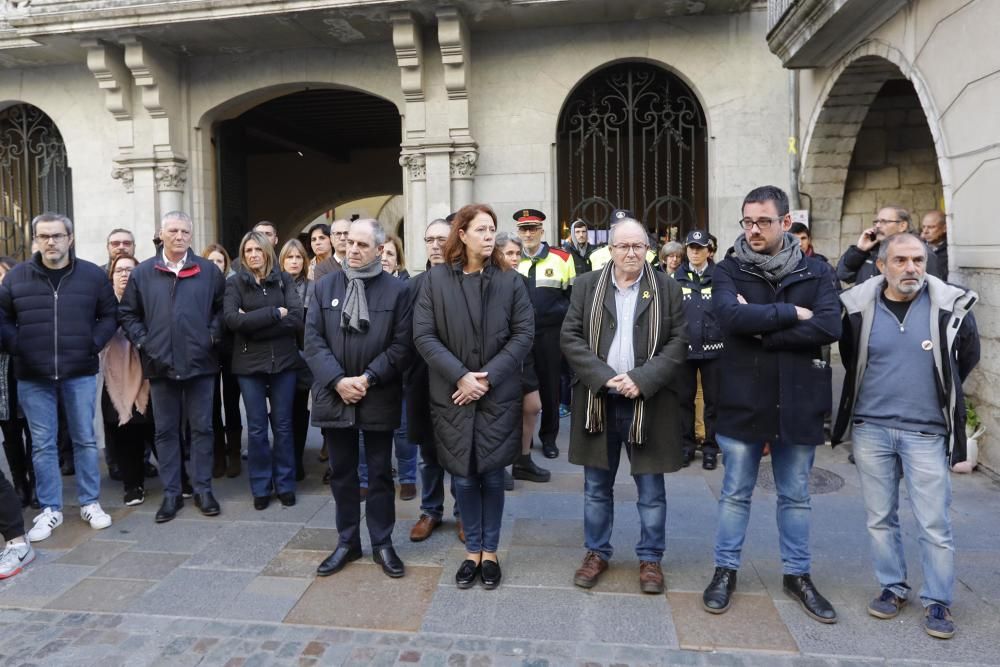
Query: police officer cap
[
  {"x": 697, "y": 237},
  {"x": 620, "y": 214},
  {"x": 529, "y": 217}
]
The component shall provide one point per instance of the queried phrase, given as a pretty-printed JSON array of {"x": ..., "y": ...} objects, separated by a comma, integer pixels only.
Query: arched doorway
[
  {"x": 288, "y": 158},
  {"x": 34, "y": 175},
  {"x": 632, "y": 135}
]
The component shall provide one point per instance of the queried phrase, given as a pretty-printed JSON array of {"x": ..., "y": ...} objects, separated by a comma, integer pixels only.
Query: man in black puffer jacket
[
  {"x": 57, "y": 312},
  {"x": 172, "y": 313}
]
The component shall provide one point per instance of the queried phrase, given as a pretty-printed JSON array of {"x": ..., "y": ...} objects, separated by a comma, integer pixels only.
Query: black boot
[
  {"x": 719, "y": 595},
  {"x": 526, "y": 469},
  {"x": 801, "y": 588}
]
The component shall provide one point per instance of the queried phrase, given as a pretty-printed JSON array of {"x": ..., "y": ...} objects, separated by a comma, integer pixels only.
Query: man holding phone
[{"x": 857, "y": 264}]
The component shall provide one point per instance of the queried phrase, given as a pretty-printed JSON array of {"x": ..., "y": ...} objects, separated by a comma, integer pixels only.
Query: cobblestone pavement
[{"x": 240, "y": 589}]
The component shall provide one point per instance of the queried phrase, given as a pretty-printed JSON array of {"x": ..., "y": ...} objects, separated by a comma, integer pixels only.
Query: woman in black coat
[
  {"x": 473, "y": 324},
  {"x": 293, "y": 261},
  {"x": 263, "y": 309}
]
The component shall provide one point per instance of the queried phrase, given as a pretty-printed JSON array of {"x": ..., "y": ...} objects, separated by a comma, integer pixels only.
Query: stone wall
[{"x": 893, "y": 163}]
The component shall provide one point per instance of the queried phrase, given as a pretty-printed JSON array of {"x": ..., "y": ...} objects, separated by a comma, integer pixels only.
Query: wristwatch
[{"x": 372, "y": 379}]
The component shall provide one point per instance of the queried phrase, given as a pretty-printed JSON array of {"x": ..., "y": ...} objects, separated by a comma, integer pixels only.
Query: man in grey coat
[{"x": 625, "y": 337}]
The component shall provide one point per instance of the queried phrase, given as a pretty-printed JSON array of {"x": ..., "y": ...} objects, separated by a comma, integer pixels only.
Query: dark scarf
[
  {"x": 596, "y": 406},
  {"x": 774, "y": 267},
  {"x": 355, "y": 315}
]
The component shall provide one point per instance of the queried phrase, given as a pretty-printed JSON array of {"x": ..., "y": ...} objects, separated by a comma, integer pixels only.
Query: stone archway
[{"x": 832, "y": 155}]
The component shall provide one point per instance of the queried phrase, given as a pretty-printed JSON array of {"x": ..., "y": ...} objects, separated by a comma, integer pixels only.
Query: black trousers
[
  {"x": 547, "y": 368},
  {"x": 300, "y": 426},
  {"x": 688, "y": 389},
  {"x": 11, "y": 519},
  {"x": 128, "y": 447},
  {"x": 380, "y": 508}
]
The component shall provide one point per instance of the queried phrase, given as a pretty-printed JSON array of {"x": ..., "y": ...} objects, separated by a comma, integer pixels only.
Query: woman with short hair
[
  {"x": 671, "y": 257},
  {"x": 321, "y": 244}
]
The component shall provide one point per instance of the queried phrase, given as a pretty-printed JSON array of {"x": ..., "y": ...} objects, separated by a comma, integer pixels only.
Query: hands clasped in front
[
  {"x": 624, "y": 385},
  {"x": 352, "y": 389},
  {"x": 471, "y": 387}
]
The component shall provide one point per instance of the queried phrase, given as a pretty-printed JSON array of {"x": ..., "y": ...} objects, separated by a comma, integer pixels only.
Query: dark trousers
[
  {"x": 342, "y": 444},
  {"x": 300, "y": 427},
  {"x": 226, "y": 403},
  {"x": 547, "y": 367},
  {"x": 17, "y": 446},
  {"x": 480, "y": 501},
  {"x": 687, "y": 389},
  {"x": 173, "y": 399},
  {"x": 11, "y": 519},
  {"x": 128, "y": 447}
]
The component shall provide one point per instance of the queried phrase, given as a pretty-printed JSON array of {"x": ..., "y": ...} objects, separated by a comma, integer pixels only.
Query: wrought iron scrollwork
[
  {"x": 633, "y": 136},
  {"x": 34, "y": 175}
]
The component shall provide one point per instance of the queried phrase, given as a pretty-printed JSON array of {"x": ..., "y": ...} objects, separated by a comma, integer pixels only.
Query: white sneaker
[
  {"x": 97, "y": 517},
  {"x": 44, "y": 524},
  {"x": 15, "y": 557}
]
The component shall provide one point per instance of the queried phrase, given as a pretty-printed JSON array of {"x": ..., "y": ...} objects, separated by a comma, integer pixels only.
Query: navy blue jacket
[
  {"x": 775, "y": 387},
  {"x": 175, "y": 321},
  {"x": 333, "y": 352},
  {"x": 704, "y": 334},
  {"x": 56, "y": 331}
]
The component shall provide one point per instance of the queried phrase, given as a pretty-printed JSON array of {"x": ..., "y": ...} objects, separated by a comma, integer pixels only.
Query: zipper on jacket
[{"x": 55, "y": 323}]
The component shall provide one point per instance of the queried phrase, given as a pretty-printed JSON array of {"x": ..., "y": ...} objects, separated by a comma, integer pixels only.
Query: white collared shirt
[
  {"x": 175, "y": 267},
  {"x": 621, "y": 355}
]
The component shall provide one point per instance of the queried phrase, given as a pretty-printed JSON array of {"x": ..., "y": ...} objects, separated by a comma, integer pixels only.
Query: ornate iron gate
[
  {"x": 34, "y": 175},
  {"x": 633, "y": 136}
]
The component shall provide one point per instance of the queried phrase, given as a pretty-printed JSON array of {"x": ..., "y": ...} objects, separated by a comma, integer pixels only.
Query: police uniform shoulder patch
[{"x": 548, "y": 273}]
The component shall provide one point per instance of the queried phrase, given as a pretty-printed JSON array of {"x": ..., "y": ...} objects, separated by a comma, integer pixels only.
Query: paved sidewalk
[{"x": 240, "y": 589}]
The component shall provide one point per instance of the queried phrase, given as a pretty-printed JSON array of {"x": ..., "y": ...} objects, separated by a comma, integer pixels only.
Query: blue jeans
[
  {"x": 878, "y": 453},
  {"x": 432, "y": 489},
  {"x": 791, "y": 465},
  {"x": 598, "y": 493},
  {"x": 406, "y": 455},
  {"x": 269, "y": 469},
  {"x": 40, "y": 401},
  {"x": 480, "y": 498}
]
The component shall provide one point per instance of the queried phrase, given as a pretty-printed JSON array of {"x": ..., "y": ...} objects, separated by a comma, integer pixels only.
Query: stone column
[
  {"x": 415, "y": 191},
  {"x": 463, "y": 174}
]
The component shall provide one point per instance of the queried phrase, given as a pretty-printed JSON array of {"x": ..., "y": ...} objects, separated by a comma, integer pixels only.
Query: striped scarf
[{"x": 596, "y": 405}]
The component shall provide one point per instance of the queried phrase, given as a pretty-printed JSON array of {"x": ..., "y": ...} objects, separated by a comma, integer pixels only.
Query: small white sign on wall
[{"x": 800, "y": 215}]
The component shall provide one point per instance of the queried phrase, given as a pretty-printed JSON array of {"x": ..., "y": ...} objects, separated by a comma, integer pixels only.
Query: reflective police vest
[
  {"x": 602, "y": 256},
  {"x": 550, "y": 274},
  {"x": 704, "y": 333}
]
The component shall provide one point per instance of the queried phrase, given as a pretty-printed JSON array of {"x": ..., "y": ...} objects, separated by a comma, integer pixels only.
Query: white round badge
[
  {"x": 335, "y": 303},
  {"x": 927, "y": 345}
]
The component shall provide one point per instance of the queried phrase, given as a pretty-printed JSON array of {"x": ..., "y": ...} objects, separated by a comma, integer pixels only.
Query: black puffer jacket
[
  {"x": 334, "y": 352},
  {"x": 415, "y": 383},
  {"x": 263, "y": 341},
  {"x": 486, "y": 434},
  {"x": 56, "y": 331},
  {"x": 175, "y": 321}
]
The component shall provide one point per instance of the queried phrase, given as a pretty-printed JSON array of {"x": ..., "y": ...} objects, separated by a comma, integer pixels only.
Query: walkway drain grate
[{"x": 820, "y": 480}]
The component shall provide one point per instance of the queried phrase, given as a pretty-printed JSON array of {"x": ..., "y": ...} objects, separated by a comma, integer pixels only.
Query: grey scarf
[
  {"x": 774, "y": 267},
  {"x": 355, "y": 315}
]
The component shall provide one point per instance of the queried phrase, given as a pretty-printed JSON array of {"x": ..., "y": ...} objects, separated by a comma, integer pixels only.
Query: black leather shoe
[
  {"x": 686, "y": 457},
  {"x": 261, "y": 502},
  {"x": 719, "y": 595},
  {"x": 207, "y": 503},
  {"x": 709, "y": 460},
  {"x": 169, "y": 508},
  {"x": 490, "y": 573},
  {"x": 390, "y": 562},
  {"x": 801, "y": 588},
  {"x": 287, "y": 499},
  {"x": 549, "y": 450},
  {"x": 336, "y": 561},
  {"x": 467, "y": 574}
]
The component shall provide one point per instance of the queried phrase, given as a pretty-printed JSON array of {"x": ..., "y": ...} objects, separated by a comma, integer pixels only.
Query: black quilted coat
[{"x": 486, "y": 434}]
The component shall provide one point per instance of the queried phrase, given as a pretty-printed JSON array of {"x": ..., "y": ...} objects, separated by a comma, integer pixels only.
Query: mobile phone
[{"x": 872, "y": 236}]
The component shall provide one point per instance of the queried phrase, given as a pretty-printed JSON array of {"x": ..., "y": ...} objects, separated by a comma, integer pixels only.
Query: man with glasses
[
  {"x": 550, "y": 274},
  {"x": 120, "y": 242},
  {"x": 777, "y": 308},
  {"x": 858, "y": 263},
  {"x": 335, "y": 262},
  {"x": 55, "y": 360}
]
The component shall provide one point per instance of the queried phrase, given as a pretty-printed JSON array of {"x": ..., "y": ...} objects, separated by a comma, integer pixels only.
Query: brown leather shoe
[
  {"x": 461, "y": 531},
  {"x": 650, "y": 577},
  {"x": 591, "y": 569},
  {"x": 423, "y": 528},
  {"x": 407, "y": 491}
]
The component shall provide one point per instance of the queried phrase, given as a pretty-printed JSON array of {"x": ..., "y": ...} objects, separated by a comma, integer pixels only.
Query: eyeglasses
[
  {"x": 120, "y": 244},
  {"x": 637, "y": 248},
  {"x": 762, "y": 223},
  {"x": 339, "y": 234},
  {"x": 435, "y": 240},
  {"x": 878, "y": 222},
  {"x": 45, "y": 238},
  {"x": 123, "y": 271}
]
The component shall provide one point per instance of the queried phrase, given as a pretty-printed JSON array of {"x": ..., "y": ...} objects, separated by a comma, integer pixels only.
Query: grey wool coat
[{"x": 656, "y": 377}]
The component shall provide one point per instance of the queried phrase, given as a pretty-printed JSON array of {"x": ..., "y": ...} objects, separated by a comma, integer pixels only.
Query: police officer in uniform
[
  {"x": 550, "y": 273},
  {"x": 704, "y": 346}
]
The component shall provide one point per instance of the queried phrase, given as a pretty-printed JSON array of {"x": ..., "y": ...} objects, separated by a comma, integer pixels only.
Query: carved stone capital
[
  {"x": 415, "y": 164},
  {"x": 463, "y": 164},
  {"x": 170, "y": 177},
  {"x": 125, "y": 175}
]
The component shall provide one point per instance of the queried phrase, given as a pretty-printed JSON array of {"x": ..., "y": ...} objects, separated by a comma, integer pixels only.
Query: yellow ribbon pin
[{"x": 645, "y": 295}]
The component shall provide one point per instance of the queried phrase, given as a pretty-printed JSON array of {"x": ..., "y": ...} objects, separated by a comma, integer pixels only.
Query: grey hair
[
  {"x": 378, "y": 231},
  {"x": 904, "y": 215},
  {"x": 671, "y": 248},
  {"x": 621, "y": 223},
  {"x": 503, "y": 238},
  {"x": 52, "y": 217},
  {"x": 437, "y": 221},
  {"x": 883, "y": 247},
  {"x": 177, "y": 215}
]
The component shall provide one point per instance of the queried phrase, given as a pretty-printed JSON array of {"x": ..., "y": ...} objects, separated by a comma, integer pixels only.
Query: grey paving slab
[
  {"x": 551, "y": 506},
  {"x": 94, "y": 552},
  {"x": 266, "y": 599},
  {"x": 143, "y": 565},
  {"x": 193, "y": 592},
  {"x": 306, "y": 506},
  {"x": 182, "y": 535},
  {"x": 40, "y": 583},
  {"x": 244, "y": 546},
  {"x": 93, "y": 594}
]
